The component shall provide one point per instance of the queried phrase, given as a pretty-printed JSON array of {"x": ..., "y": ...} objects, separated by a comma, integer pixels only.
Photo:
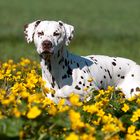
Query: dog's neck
[{"x": 53, "y": 68}]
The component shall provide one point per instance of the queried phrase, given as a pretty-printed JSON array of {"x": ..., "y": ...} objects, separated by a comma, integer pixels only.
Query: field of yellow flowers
[{"x": 26, "y": 112}]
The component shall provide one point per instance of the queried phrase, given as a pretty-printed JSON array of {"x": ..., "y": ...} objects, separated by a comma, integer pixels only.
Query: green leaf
[{"x": 10, "y": 127}]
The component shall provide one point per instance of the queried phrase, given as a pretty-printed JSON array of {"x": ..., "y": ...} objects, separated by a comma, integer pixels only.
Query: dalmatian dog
[{"x": 66, "y": 73}]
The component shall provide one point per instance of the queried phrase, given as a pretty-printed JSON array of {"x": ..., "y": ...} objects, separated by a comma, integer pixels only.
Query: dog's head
[{"x": 48, "y": 36}]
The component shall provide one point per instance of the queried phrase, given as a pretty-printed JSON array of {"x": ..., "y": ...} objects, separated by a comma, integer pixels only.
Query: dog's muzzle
[
  {"x": 47, "y": 49},
  {"x": 47, "y": 46}
]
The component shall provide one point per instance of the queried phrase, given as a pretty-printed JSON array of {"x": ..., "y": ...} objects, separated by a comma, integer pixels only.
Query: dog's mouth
[{"x": 46, "y": 54}]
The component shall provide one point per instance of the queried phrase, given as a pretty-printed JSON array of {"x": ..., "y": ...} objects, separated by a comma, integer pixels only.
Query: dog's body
[{"x": 67, "y": 73}]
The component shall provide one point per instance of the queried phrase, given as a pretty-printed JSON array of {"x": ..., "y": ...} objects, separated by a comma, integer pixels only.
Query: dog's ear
[
  {"x": 29, "y": 30},
  {"x": 69, "y": 31}
]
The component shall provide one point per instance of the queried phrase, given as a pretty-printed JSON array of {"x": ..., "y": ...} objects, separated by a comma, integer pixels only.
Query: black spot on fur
[
  {"x": 60, "y": 23},
  {"x": 53, "y": 95},
  {"x": 113, "y": 63},
  {"x": 122, "y": 77},
  {"x": 77, "y": 87},
  {"x": 49, "y": 66},
  {"x": 66, "y": 63},
  {"x": 95, "y": 60},
  {"x": 96, "y": 63},
  {"x": 132, "y": 75},
  {"x": 132, "y": 90},
  {"x": 84, "y": 71},
  {"x": 101, "y": 67},
  {"x": 118, "y": 75},
  {"x": 114, "y": 59},
  {"x": 83, "y": 84},
  {"x": 61, "y": 60},
  {"x": 77, "y": 64},
  {"x": 64, "y": 76},
  {"x": 37, "y": 23},
  {"x": 82, "y": 77},
  {"x": 25, "y": 26},
  {"x": 58, "y": 54},
  {"x": 120, "y": 68},
  {"x": 80, "y": 82},
  {"x": 69, "y": 71},
  {"x": 109, "y": 74},
  {"x": 88, "y": 71},
  {"x": 101, "y": 82},
  {"x": 104, "y": 77},
  {"x": 53, "y": 82}
]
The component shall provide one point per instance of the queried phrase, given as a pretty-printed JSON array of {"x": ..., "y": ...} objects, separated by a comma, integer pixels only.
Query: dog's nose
[{"x": 46, "y": 45}]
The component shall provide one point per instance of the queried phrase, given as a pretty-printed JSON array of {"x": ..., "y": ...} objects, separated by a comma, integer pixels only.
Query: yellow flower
[
  {"x": 136, "y": 115},
  {"x": 52, "y": 110},
  {"x": 138, "y": 133},
  {"x": 75, "y": 119},
  {"x": 107, "y": 118},
  {"x": 90, "y": 79},
  {"x": 74, "y": 100},
  {"x": 6, "y": 102},
  {"x": 35, "y": 98},
  {"x": 100, "y": 113},
  {"x": 33, "y": 112},
  {"x": 110, "y": 89},
  {"x": 85, "y": 89},
  {"x": 97, "y": 122},
  {"x": 1, "y": 75},
  {"x": 25, "y": 94},
  {"x": 46, "y": 101},
  {"x": 125, "y": 108},
  {"x": 131, "y": 129},
  {"x": 87, "y": 137},
  {"x": 72, "y": 136},
  {"x": 107, "y": 128},
  {"x": 132, "y": 137},
  {"x": 16, "y": 112},
  {"x": 114, "y": 137},
  {"x": 25, "y": 61},
  {"x": 90, "y": 128},
  {"x": 21, "y": 135},
  {"x": 90, "y": 108},
  {"x": 138, "y": 101}
]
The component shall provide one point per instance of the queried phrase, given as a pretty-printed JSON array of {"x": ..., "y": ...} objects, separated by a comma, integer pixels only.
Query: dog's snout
[{"x": 46, "y": 44}]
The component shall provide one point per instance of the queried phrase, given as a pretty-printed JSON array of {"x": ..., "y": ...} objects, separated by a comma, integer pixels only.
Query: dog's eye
[
  {"x": 40, "y": 33},
  {"x": 56, "y": 34}
]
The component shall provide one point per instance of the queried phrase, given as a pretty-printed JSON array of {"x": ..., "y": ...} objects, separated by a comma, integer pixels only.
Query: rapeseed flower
[
  {"x": 33, "y": 112},
  {"x": 75, "y": 119},
  {"x": 74, "y": 100},
  {"x": 125, "y": 108},
  {"x": 131, "y": 129},
  {"x": 135, "y": 116},
  {"x": 72, "y": 136}
]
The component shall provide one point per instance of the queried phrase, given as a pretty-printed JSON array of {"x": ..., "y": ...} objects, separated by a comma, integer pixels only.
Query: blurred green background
[{"x": 108, "y": 27}]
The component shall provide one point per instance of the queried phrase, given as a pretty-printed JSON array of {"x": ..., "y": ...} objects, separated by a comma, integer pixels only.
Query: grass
[{"x": 101, "y": 27}]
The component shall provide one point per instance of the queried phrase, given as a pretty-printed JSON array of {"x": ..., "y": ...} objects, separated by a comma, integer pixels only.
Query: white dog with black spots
[{"x": 66, "y": 73}]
